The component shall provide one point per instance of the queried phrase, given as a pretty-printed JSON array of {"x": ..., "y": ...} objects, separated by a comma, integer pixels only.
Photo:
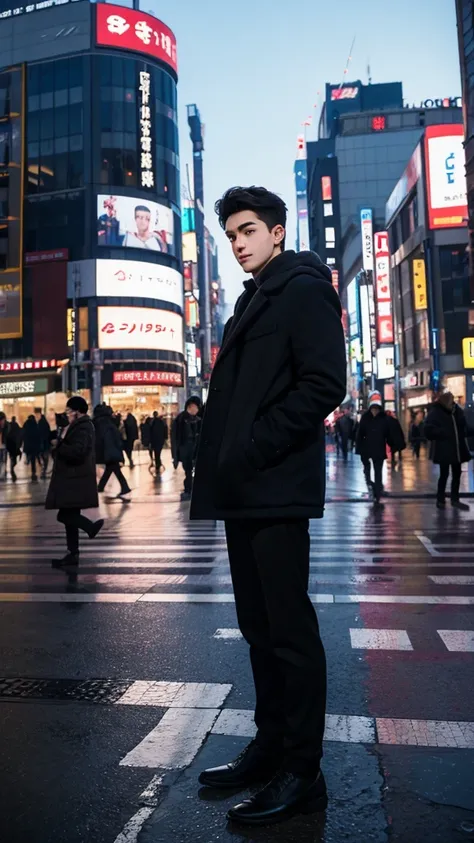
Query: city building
[
  {"x": 301, "y": 178},
  {"x": 426, "y": 217},
  {"x": 366, "y": 135},
  {"x": 91, "y": 251},
  {"x": 465, "y": 21}
]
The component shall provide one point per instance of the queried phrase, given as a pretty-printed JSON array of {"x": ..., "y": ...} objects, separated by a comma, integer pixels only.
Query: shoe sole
[
  {"x": 240, "y": 785},
  {"x": 313, "y": 806}
]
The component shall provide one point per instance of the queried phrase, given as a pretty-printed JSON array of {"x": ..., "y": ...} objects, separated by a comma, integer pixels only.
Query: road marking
[
  {"x": 457, "y": 640},
  {"x": 176, "y": 694},
  {"x": 427, "y": 543},
  {"x": 132, "y": 829},
  {"x": 452, "y": 580},
  {"x": 149, "y": 796},
  {"x": 114, "y": 597},
  {"x": 405, "y": 598},
  {"x": 211, "y": 562},
  {"x": 380, "y": 639},
  {"x": 354, "y": 729},
  {"x": 228, "y": 634},
  {"x": 174, "y": 742}
]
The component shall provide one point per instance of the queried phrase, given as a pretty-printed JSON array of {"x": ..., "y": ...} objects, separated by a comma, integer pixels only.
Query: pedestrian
[
  {"x": 14, "y": 440},
  {"x": 31, "y": 444},
  {"x": 373, "y": 436},
  {"x": 446, "y": 429},
  {"x": 4, "y": 431},
  {"x": 145, "y": 434},
  {"x": 158, "y": 437},
  {"x": 344, "y": 428},
  {"x": 414, "y": 437},
  {"x": 131, "y": 434},
  {"x": 73, "y": 485},
  {"x": 397, "y": 438},
  {"x": 44, "y": 431},
  {"x": 109, "y": 449},
  {"x": 185, "y": 432},
  {"x": 261, "y": 468}
]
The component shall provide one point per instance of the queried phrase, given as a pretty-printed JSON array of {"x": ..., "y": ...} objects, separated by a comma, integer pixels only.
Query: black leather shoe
[
  {"x": 71, "y": 559},
  {"x": 253, "y": 765},
  {"x": 284, "y": 797},
  {"x": 462, "y": 506}
]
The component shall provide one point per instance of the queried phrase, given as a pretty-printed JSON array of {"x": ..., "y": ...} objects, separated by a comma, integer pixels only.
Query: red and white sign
[
  {"x": 46, "y": 257},
  {"x": 128, "y": 29},
  {"x": 344, "y": 93},
  {"x": 383, "y": 297},
  {"x": 148, "y": 378},
  {"x": 139, "y": 328},
  {"x": 28, "y": 365},
  {"x": 326, "y": 188},
  {"x": 445, "y": 176},
  {"x": 335, "y": 279},
  {"x": 214, "y": 354}
]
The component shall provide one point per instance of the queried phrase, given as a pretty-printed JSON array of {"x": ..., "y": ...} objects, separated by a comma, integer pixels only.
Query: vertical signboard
[
  {"x": 445, "y": 176},
  {"x": 145, "y": 133},
  {"x": 383, "y": 298},
  {"x": 11, "y": 202},
  {"x": 367, "y": 239},
  {"x": 419, "y": 284}
]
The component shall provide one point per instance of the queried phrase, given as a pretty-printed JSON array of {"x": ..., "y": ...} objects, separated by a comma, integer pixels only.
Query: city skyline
[{"x": 253, "y": 111}]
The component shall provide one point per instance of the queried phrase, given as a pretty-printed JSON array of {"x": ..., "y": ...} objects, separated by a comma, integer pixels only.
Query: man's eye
[{"x": 250, "y": 231}]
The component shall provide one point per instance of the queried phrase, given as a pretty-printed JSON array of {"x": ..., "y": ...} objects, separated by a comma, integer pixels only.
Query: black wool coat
[
  {"x": 447, "y": 430},
  {"x": 108, "y": 441},
  {"x": 373, "y": 436},
  {"x": 281, "y": 370},
  {"x": 73, "y": 482}
]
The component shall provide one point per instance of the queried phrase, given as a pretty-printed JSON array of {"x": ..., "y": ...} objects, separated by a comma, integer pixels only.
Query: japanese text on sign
[
  {"x": 146, "y": 139},
  {"x": 130, "y": 29},
  {"x": 383, "y": 298},
  {"x": 163, "y": 378}
]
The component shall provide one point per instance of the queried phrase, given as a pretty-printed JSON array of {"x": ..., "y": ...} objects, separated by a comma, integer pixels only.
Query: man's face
[
  {"x": 375, "y": 410},
  {"x": 71, "y": 415},
  {"x": 193, "y": 410},
  {"x": 252, "y": 243},
  {"x": 142, "y": 220}
]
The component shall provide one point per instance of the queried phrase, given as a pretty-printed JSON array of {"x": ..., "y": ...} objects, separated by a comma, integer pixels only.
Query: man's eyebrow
[{"x": 241, "y": 227}]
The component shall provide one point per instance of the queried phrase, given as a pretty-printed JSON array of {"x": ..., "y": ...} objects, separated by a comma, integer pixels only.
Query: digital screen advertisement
[
  {"x": 445, "y": 166},
  {"x": 134, "y": 223},
  {"x": 129, "y": 29},
  {"x": 140, "y": 279},
  {"x": 139, "y": 328}
]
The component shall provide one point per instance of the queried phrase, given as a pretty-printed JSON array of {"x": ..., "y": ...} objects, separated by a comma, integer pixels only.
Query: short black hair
[
  {"x": 267, "y": 206},
  {"x": 142, "y": 208},
  {"x": 78, "y": 404}
]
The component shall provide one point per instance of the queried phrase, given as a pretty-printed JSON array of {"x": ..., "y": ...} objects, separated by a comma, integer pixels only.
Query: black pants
[
  {"x": 157, "y": 459},
  {"x": 377, "y": 485},
  {"x": 188, "y": 466},
  {"x": 416, "y": 445},
  {"x": 128, "y": 448},
  {"x": 74, "y": 521},
  {"x": 43, "y": 460},
  {"x": 33, "y": 466},
  {"x": 455, "y": 481},
  {"x": 269, "y": 562},
  {"x": 344, "y": 446},
  {"x": 113, "y": 468}
]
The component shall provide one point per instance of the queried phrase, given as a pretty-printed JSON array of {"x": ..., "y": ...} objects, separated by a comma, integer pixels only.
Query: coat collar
[{"x": 257, "y": 303}]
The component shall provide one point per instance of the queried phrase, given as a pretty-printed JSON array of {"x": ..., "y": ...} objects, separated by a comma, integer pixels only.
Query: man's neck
[{"x": 259, "y": 271}]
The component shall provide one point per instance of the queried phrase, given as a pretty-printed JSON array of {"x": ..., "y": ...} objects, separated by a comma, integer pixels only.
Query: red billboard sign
[
  {"x": 148, "y": 378},
  {"x": 445, "y": 176},
  {"x": 383, "y": 297},
  {"x": 128, "y": 29},
  {"x": 28, "y": 365}
]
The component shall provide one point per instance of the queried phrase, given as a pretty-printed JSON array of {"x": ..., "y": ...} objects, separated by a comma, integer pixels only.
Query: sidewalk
[{"x": 345, "y": 481}]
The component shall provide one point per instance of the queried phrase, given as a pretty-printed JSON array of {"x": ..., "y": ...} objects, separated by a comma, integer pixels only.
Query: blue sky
[{"x": 254, "y": 70}]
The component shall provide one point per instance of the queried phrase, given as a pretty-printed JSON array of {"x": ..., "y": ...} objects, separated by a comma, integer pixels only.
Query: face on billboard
[
  {"x": 447, "y": 202},
  {"x": 134, "y": 223},
  {"x": 139, "y": 328}
]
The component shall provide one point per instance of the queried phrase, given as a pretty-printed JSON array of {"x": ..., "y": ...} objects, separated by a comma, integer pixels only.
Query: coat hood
[{"x": 288, "y": 265}]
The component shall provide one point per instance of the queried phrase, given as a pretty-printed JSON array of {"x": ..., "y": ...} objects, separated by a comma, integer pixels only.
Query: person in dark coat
[
  {"x": 73, "y": 483},
  {"x": 373, "y": 436},
  {"x": 446, "y": 429},
  {"x": 44, "y": 431},
  {"x": 14, "y": 441},
  {"x": 185, "y": 432},
  {"x": 31, "y": 444},
  {"x": 158, "y": 437},
  {"x": 397, "y": 438},
  {"x": 344, "y": 427},
  {"x": 109, "y": 448},
  {"x": 131, "y": 432},
  {"x": 414, "y": 437},
  {"x": 4, "y": 430},
  {"x": 260, "y": 467},
  {"x": 145, "y": 435}
]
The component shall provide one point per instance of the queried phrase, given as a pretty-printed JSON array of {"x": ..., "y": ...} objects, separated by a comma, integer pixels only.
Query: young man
[
  {"x": 185, "y": 432},
  {"x": 73, "y": 483},
  {"x": 261, "y": 468},
  {"x": 373, "y": 436},
  {"x": 144, "y": 237}
]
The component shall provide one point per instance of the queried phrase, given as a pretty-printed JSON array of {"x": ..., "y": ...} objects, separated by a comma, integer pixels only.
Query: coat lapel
[{"x": 257, "y": 303}]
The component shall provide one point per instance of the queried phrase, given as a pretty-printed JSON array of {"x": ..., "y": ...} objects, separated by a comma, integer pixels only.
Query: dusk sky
[{"x": 254, "y": 70}]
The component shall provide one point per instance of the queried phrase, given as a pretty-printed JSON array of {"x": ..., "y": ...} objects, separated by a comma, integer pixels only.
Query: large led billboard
[
  {"x": 130, "y": 222},
  {"x": 139, "y": 328},
  {"x": 139, "y": 279},
  {"x": 129, "y": 29},
  {"x": 445, "y": 176}
]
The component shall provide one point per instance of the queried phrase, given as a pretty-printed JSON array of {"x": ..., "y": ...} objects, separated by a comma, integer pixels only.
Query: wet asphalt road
[{"x": 145, "y": 608}]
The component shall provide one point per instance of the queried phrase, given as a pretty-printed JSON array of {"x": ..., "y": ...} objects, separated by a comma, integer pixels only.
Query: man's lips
[{"x": 244, "y": 258}]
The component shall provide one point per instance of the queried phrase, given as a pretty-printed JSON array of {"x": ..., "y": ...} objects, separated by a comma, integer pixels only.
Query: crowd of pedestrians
[{"x": 33, "y": 440}]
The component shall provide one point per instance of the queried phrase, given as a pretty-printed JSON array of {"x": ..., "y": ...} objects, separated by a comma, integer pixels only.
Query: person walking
[
  {"x": 445, "y": 427},
  {"x": 109, "y": 449},
  {"x": 145, "y": 436},
  {"x": 414, "y": 436},
  {"x": 4, "y": 430},
  {"x": 73, "y": 485},
  {"x": 344, "y": 428},
  {"x": 14, "y": 440},
  {"x": 373, "y": 436},
  {"x": 131, "y": 433},
  {"x": 185, "y": 432},
  {"x": 32, "y": 444},
  {"x": 44, "y": 431},
  {"x": 260, "y": 467},
  {"x": 158, "y": 437},
  {"x": 397, "y": 439}
]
